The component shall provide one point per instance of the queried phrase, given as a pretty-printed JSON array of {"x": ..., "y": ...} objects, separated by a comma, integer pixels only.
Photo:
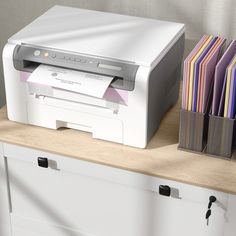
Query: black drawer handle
[
  {"x": 164, "y": 190},
  {"x": 43, "y": 162}
]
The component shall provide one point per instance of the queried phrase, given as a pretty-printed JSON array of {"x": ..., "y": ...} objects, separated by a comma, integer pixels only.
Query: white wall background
[{"x": 216, "y": 17}]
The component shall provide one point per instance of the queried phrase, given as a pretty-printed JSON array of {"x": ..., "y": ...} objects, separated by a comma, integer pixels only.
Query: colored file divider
[
  {"x": 222, "y": 98},
  {"x": 232, "y": 96},
  {"x": 220, "y": 75},
  {"x": 186, "y": 71},
  {"x": 191, "y": 75},
  {"x": 228, "y": 85},
  {"x": 197, "y": 74},
  {"x": 207, "y": 68}
]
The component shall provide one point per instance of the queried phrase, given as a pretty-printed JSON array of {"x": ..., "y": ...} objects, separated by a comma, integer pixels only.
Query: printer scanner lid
[{"x": 111, "y": 36}]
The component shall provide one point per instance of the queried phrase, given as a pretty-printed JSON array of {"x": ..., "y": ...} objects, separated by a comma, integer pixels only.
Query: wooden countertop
[{"x": 161, "y": 158}]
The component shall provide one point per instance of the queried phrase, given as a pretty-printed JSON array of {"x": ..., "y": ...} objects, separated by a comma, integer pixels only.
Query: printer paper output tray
[{"x": 90, "y": 84}]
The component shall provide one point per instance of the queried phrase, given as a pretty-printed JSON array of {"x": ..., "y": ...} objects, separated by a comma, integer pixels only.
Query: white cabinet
[
  {"x": 230, "y": 229},
  {"x": 5, "y": 229},
  {"x": 78, "y": 198}
]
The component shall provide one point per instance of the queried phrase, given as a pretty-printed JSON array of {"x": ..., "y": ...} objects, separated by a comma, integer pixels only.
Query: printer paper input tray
[{"x": 100, "y": 121}]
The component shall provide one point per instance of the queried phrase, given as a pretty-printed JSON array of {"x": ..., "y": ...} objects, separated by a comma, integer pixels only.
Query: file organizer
[
  {"x": 193, "y": 129},
  {"x": 221, "y": 136},
  {"x": 221, "y": 133},
  {"x": 194, "y": 121}
]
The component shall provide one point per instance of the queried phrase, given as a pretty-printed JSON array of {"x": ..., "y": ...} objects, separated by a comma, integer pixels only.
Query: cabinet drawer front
[
  {"x": 103, "y": 201},
  {"x": 28, "y": 227}
]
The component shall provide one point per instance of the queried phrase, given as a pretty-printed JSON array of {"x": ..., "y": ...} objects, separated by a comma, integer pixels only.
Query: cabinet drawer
[{"x": 78, "y": 198}]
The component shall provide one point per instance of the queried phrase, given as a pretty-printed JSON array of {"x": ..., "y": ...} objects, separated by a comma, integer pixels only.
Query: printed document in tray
[{"x": 76, "y": 81}]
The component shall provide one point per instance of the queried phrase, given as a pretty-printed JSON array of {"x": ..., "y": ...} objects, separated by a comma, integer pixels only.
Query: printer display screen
[{"x": 111, "y": 67}]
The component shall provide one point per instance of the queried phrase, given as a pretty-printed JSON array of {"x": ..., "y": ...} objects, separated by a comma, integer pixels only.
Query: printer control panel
[
  {"x": 83, "y": 60},
  {"x": 28, "y": 58},
  {"x": 45, "y": 54}
]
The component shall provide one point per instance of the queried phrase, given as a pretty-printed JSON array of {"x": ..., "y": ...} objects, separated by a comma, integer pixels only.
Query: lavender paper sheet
[
  {"x": 222, "y": 97},
  {"x": 220, "y": 76},
  {"x": 232, "y": 98},
  {"x": 209, "y": 74}
]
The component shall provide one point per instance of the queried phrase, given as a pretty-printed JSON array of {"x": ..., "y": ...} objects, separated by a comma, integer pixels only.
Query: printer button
[
  {"x": 78, "y": 59},
  {"x": 37, "y": 53},
  {"x": 83, "y": 61},
  {"x": 53, "y": 55}
]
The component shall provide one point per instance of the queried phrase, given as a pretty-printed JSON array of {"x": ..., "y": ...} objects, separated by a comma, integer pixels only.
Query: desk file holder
[
  {"x": 221, "y": 135},
  {"x": 193, "y": 130},
  {"x": 194, "y": 127}
]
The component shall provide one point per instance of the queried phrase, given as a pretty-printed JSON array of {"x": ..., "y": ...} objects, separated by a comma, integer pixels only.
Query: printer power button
[{"x": 37, "y": 53}]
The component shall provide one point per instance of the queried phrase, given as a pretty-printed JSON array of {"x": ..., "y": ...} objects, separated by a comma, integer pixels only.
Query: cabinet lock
[
  {"x": 43, "y": 162},
  {"x": 164, "y": 190}
]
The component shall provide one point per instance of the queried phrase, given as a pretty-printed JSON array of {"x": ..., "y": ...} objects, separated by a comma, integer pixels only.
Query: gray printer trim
[{"x": 25, "y": 60}]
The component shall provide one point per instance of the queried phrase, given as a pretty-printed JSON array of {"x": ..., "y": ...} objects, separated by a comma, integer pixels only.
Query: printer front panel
[
  {"x": 120, "y": 116},
  {"x": 124, "y": 122},
  {"x": 101, "y": 117}
]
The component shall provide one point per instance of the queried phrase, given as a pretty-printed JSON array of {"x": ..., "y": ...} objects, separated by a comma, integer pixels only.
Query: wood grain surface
[{"x": 161, "y": 158}]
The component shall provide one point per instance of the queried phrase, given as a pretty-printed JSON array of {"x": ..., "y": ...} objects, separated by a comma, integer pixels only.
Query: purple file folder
[
  {"x": 232, "y": 97},
  {"x": 219, "y": 75},
  {"x": 222, "y": 97},
  {"x": 196, "y": 73},
  {"x": 209, "y": 74}
]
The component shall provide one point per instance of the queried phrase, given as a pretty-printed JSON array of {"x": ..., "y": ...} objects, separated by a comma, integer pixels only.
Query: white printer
[{"x": 128, "y": 70}]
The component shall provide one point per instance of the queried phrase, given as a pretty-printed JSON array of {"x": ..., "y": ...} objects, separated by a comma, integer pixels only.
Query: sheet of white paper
[{"x": 81, "y": 82}]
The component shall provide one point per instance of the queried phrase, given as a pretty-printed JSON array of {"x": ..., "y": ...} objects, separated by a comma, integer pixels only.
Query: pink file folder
[{"x": 186, "y": 71}]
